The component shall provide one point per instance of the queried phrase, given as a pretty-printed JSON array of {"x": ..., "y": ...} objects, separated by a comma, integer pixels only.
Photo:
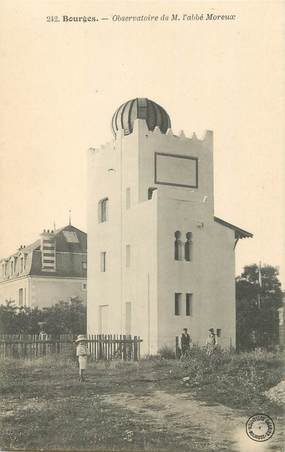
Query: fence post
[
  {"x": 135, "y": 348},
  {"x": 177, "y": 347}
]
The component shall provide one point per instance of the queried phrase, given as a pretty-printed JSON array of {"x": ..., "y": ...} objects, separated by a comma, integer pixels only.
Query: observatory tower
[{"x": 158, "y": 258}]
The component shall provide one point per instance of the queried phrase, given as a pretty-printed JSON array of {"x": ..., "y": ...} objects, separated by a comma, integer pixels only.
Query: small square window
[{"x": 84, "y": 286}]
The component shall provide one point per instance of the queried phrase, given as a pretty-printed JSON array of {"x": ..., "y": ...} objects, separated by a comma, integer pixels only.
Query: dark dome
[{"x": 140, "y": 108}]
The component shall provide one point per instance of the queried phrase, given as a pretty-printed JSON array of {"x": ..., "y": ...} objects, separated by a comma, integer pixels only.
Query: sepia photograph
[{"x": 142, "y": 254}]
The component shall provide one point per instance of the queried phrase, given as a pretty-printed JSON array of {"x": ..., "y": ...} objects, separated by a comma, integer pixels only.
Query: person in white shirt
[
  {"x": 82, "y": 353},
  {"x": 211, "y": 341}
]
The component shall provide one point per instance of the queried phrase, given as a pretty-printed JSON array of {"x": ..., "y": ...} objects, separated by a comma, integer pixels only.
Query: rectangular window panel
[
  {"x": 189, "y": 298},
  {"x": 104, "y": 319},
  {"x": 179, "y": 170},
  {"x": 103, "y": 210},
  {"x": 177, "y": 304},
  {"x": 128, "y": 198},
  {"x": 128, "y": 255},
  {"x": 128, "y": 324},
  {"x": 103, "y": 261}
]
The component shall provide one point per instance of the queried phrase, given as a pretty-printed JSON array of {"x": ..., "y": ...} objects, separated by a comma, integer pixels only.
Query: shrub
[{"x": 166, "y": 352}]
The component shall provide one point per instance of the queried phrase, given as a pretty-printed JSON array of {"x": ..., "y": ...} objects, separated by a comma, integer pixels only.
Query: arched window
[
  {"x": 178, "y": 247},
  {"x": 103, "y": 210},
  {"x": 188, "y": 247},
  {"x": 21, "y": 264}
]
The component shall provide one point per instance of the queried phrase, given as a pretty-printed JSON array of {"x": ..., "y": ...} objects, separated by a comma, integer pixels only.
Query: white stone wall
[
  {"x": 9, "y": 290},
  {"x": 42, "y": 291},
  {"x": 209, "y": 276},
  {"x": 48, "y": 291}
]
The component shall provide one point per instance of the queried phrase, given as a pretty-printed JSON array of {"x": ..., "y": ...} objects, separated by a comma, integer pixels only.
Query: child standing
[{"x": 82, "y": 352}]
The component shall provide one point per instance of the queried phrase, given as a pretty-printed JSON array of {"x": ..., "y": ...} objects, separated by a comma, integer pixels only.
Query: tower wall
[{"x": 136, "y": 293}]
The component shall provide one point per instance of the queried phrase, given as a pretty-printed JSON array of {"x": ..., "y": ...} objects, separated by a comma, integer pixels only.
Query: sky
[{"x": 61, "y": 83}]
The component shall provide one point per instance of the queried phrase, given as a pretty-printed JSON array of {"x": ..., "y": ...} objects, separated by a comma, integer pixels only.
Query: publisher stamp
[{"x": 260, "y": 427}]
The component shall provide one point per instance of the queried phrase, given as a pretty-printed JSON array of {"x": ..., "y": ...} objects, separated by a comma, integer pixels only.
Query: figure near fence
[
  {"x": 211, "y": 341},
  {"x": 82, "y": 353},
  {"x": 185, "y": 342}
]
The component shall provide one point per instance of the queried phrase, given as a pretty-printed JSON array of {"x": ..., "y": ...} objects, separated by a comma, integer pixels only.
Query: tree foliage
[
  {"x": 258, "y": 296},
  {"x": 61, "y": 318}
]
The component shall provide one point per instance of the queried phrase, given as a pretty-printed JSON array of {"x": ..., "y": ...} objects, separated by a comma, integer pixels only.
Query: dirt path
[{"x": 222, "y": 428}]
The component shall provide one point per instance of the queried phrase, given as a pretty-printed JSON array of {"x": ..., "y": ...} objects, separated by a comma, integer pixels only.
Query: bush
[{"x": 166, "y": 352}]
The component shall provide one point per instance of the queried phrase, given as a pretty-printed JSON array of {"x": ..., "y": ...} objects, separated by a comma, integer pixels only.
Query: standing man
[
  {"x": 211, "y": 341},
  {"x": 185, "y": 341}
]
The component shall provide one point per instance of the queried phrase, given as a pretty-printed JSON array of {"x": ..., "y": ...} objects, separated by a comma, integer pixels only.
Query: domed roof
[{"x": 140, "y": 108}]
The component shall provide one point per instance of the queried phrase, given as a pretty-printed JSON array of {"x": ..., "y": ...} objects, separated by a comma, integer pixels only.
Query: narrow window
[
  {"x": 103, "y": 261},
  {"x": 84, "y": 265},
  {"x": 188, "y": 247},
  {"x": 103, "y": 210},
  {"x": 128, "y": 255},
  {"x": 84, "y": 286},
  {"x": 21, "y": 297},
  {"x": 178, "y": 247},
  {"x": 128, "y": 198},
  {"x": 150, "y": 192},
  {"x": 128, "y": 325},
  {"x": 189, "y": 304},
  {"x": 177, "y": 304},
  {"x": 104, "y": 319},
  {"x": 22, "y": 264},
  {"x": 219, "y": 332}
]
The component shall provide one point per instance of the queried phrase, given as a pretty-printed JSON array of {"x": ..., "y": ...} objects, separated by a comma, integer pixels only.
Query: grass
[
  {"x": 44, "y": 405},
  {"x": 234, "y": 380}
]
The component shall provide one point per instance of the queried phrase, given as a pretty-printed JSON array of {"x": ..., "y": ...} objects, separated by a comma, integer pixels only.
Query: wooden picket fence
[{"x": 101, "y": 346}]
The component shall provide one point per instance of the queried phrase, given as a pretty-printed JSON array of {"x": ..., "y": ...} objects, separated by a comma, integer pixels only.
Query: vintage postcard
[{"x": 142, "y": 225}]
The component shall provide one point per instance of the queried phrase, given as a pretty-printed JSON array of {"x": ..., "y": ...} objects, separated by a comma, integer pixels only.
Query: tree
[
  {"x": 258, "y": 296},
  {"x": 66, "y": 317},
  {"x": 61, "y": 318}
]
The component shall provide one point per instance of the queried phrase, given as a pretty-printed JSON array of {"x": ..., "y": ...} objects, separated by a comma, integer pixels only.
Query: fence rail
[{"x": 101, "y": 347}]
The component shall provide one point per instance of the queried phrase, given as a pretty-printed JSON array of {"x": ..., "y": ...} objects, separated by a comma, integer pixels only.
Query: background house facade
[
  {"x": 51, "y": 269},
  {"x": 158, "y": 259}
]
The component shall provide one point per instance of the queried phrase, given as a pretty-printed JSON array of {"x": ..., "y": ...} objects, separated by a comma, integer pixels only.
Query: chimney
[{"x": 48, "y": 251}]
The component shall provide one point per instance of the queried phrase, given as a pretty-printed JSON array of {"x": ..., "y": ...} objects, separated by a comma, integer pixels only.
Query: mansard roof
[{"x": 71, "y": 251}]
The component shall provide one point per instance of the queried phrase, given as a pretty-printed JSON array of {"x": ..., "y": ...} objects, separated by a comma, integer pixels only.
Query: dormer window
[{"x": 103, "y": 210}]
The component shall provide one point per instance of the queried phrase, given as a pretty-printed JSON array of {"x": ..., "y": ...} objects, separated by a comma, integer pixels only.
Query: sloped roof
[
  {"x": 62, "y": 243},
  {"x": 239, "y": 233},
  {"x": 71, "y": 239}
]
